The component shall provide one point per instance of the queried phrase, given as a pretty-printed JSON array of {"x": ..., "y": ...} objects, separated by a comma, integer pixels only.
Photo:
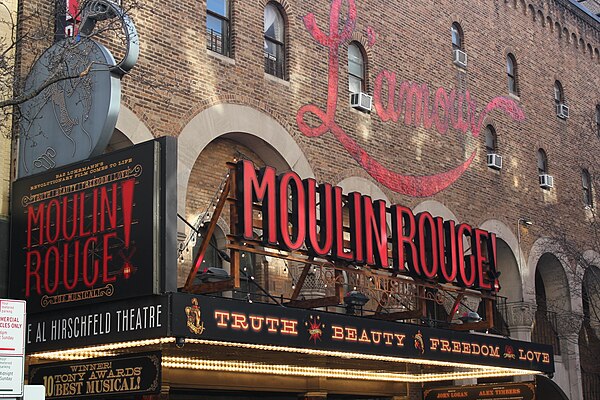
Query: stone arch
[
  {"x": 250, "y": 126},
  {"x": 524, "y": 7},
  {"x": 531, "y": 10},
  {"x": 550, "y": 23},
  {"x": 436, "y": 209},
  {"x": 132, "y": 127},
  {"x": 363, "y": 186},
  {"x": 540, "y": 16},
  {"x": 509, "y": 259},
  {"x": 548, "y": 255}
]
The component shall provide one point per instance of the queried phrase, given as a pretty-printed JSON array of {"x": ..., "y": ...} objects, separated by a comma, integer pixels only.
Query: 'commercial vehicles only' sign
[{"x": 12, "y": 347}]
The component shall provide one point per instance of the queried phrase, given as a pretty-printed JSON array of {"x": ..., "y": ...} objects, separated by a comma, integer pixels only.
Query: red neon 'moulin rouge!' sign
[{"x": 421, "y": 245}]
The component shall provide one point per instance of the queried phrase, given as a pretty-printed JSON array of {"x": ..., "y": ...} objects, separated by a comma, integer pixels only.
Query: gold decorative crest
[{"x": 194, "y": 320}]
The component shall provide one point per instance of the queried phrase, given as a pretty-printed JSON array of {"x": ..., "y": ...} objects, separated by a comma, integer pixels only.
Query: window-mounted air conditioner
[
  {"x": 546, "y": 181},
  {"x": 494, "y": 161},
  {"x": 562, "y": 111},
  {"x": 361, "y": 101},
  {"x": 460, "y": 58}
]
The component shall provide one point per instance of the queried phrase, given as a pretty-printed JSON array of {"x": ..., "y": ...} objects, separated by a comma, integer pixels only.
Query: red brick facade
[{"x": 180, "y": 88}]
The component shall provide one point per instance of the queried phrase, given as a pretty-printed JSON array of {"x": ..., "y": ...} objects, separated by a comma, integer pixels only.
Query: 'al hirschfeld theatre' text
[{"x": 85, "y": 325}]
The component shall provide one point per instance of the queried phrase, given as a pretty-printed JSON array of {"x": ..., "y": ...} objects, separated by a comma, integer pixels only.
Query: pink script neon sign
[{"x": 412, "y": 96}]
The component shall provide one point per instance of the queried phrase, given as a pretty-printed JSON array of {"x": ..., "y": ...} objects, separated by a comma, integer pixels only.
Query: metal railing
[
  {"x": 544, "y": 330},
  {"x": 274, "y": 65},
  {"x": 217, "y": 42}
]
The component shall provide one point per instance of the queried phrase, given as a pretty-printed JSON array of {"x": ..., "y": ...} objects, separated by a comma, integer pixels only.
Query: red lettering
[
  {"x": 338, "y": 244},
  {"x": 481, "y": 238},
  {"x": 375, "y": 232},
  {"x": 35, "y": 219},
  {"x": 466, "y": 264},
  {"x": 290, "y": 184},
  {"x": 427, "y": 244},
  {"x": 447, "y": 249},
  {"x": 356, "y": 224},
  {"x": 403, "y": 227},
  {"x": 32, "y": 271},
  {"x": 50, "y": 285},
  {"x": 52, "y": 218},
  {"x": 251, "y": 188},
  {"x": 65, "y": 217},
  {"x": 319, "y": 243},
  {"x": 106, "y": 257},
  {"x": 86, "y": 256},
  {"x": 108, "y": 206}
]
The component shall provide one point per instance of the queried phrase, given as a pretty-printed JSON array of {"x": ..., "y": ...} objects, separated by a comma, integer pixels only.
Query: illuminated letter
[
  {"x": 261, "y": 188},
  {"x": 375, "y": 232},
  {"x": 319, "y": 243},
  {"x": 291, "y": 181},
  {"x": 427, "y": 245},
  {"x": 466, "y": 264},
  {"x": 403, "y": 228}
]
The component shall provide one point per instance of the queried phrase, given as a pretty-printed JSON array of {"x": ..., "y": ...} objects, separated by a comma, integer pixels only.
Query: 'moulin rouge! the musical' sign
[
  {"x": 91, "y": 231},
  {"x": 423, "y": 246}
]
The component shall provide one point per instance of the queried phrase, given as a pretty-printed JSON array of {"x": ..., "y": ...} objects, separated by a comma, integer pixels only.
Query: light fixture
[
  {"x": 354, "y": 299},
  {"x": 213, "y": 274},
  {"x": 467, "y": 371},
  {"x": 295, "y": 370},
  {"x": 470, "y": 317}
]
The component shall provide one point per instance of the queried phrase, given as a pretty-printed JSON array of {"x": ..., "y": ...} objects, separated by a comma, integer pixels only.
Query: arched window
[
  {"x": 274, "y": 51},
  {"x": 511, "y": 72},
  {"x": 586, "y": 183},
  {"x": 559, "y": 95},
  {"x": 457, "y": 36},
  {"x": 217, "y": 26},
  {"x": 491, "y": 143},
  {"x": 356, "y": 68},
  {"x": 542, "y": 162}
]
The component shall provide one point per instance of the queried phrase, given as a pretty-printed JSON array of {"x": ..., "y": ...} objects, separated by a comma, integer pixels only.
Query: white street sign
[{"x": 12, "y": 347}]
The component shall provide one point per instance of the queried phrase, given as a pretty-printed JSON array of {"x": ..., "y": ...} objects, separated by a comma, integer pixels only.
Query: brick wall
[{"x": 549, "y": 43}]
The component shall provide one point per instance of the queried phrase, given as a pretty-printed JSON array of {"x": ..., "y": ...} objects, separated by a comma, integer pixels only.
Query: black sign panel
[
  {"x": 90, "y": 232},
  {"x": 125, "y": 320},
  {"x": 506, "y": 391},
  {"x": 231, "y": 320},
  {"x": 132, "y": 374}
]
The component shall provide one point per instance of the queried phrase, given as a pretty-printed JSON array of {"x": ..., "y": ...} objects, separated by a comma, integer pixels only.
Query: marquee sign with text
[
  {"x": 421, "y": 245},
  {"x": 117, "y": 321},
  {"x": 500, "y": 391},
  {"x": 228, "y": 320},
  {"x": 90, "y": 231},
  {"x": 123, "y": 375}
]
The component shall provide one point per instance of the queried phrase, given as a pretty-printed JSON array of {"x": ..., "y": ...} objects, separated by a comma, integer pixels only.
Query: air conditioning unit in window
[
  {"x": 546, "y": 181},
  {"x": 562, "y": 111},
  {"x": 460, "y": 58},
  {"x": 361, "y": 101},
  {"x": 494, "y": 161}
]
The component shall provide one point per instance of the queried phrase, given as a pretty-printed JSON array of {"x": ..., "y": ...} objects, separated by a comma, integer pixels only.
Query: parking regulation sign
[{"x": 12, "y": 347}]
